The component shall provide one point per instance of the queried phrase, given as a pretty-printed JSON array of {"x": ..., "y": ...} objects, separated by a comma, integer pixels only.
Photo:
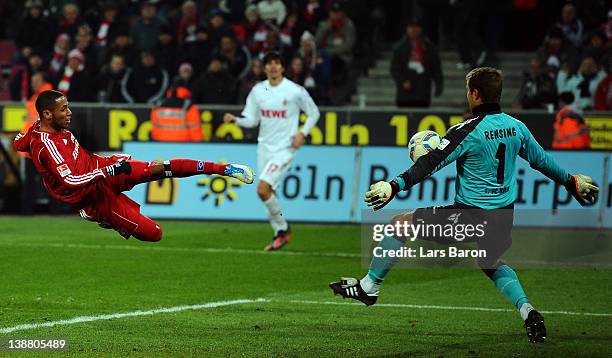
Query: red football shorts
[{"x": 113, "y": 209}]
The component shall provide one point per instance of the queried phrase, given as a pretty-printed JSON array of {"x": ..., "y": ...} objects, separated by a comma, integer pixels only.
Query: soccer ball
[{"x": 422, "y": 143}]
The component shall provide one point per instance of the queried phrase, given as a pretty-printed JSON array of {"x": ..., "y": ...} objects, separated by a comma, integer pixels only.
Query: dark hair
[
  {"x": 273, "y": 56},
  {"x": 47, "y": 100},
  {"x": 567, "y": 97},
  {"x": 488, "y": 82}
]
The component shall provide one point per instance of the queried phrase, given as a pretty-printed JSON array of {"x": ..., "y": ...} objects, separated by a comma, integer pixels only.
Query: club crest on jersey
[
  {"x": 285, "y": 102},
  {"x": 64, "y": 170},
  {"x": 200, "y": 166}
]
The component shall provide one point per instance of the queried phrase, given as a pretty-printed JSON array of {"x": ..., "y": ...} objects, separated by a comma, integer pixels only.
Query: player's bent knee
[
  {"x": 157, "y": 167},
  {"x": 264, "y": 191}
]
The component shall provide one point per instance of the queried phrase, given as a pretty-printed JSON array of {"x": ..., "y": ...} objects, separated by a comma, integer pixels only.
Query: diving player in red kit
[{"x": 93, "y": 184}]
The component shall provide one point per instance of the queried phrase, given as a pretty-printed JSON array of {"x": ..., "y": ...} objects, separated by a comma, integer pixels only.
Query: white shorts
[{"x": 272, "y": 166}]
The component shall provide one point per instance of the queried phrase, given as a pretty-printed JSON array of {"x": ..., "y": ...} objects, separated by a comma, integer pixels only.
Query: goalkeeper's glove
[
  {"x": 381, "y": 193},
  {"x": 582, "y": 189},
  {"x": 121, "y": 167}
]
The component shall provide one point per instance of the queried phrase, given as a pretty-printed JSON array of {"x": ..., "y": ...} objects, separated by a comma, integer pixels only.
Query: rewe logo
[{"x": 274, "y": 113}]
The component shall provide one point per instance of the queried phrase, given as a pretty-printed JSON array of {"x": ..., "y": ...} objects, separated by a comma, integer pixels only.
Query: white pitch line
[
  {"x": 82, "y": 319},
  {"x": 436, "y": 307},
  {"x": 150, "y": 247}
]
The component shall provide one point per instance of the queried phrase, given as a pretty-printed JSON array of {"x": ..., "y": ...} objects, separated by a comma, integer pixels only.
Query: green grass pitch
[{"x": 60, "y": 268}]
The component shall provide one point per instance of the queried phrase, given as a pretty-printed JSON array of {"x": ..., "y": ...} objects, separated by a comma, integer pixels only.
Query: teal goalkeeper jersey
[{"x": 486, "y": 148}]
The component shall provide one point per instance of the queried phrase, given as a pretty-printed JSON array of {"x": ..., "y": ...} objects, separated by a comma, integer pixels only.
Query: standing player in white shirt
[{"x": 275, "y": 106}]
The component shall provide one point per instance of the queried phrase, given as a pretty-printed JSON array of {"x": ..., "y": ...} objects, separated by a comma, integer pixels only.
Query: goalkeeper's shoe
[
  {"x": 281, "y": 239},
  {"x": 534, "y": 324},
  {"x": 349, "y": 287},
  {"x": 240, "y": 172}
]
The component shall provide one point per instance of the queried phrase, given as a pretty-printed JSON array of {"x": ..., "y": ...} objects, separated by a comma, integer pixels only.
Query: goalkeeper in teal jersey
[{"x": 485, "y": 148}]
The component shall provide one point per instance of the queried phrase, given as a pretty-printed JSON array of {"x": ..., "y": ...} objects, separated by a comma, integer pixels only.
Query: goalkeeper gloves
[
  {"x": 582, "y": 189},
  {"x": 381, "y": 193},
  {"x": 121, "y": 167}
]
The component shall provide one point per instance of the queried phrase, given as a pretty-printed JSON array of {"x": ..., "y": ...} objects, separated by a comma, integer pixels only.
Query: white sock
[
  {"x": 368, "y": 285},
  {"x": 275, "y": 215},
  {"x": 525, "y": 309}
]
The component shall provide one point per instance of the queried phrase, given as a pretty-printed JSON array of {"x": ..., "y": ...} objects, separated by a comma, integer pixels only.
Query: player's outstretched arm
[
  {"x": 456, "y": 142},
  {"x": 580, "y": 186},
  {"x": 250, "y": 114}
]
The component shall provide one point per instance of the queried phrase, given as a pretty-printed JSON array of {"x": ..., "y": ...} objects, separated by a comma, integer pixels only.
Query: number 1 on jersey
[{"x": 501, "y": 156}]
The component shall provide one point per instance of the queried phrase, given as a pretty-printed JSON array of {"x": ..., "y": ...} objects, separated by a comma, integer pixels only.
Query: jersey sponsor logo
[
  {"x": 64, "y": 170},
  {"x": 274, "y": 113},
  {"x": 454, "y": 217},
  {"x": 200, "y": 166},
  {"x": 443, "y": 143}
]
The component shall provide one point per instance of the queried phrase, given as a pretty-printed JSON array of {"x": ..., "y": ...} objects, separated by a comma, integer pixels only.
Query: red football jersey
[{"x": 68, "y": 172}]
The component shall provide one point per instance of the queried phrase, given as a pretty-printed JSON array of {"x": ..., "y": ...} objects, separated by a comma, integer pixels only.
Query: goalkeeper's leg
[{"x": 366, "y": 290}]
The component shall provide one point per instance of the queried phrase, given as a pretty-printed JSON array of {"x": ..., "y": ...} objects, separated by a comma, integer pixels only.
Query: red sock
[{"x": 188, "y": 167}]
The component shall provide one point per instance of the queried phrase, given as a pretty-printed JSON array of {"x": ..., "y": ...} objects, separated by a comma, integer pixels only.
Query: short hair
[
  {"x": 488, "y": 81},
  {"x": 47, "y": 100},
  {"x": 273, "y": 56}
]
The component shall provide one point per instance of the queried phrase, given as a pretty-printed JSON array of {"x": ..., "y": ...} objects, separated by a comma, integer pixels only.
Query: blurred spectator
[
  {"x": 60, "y": 51},
  {"x": 166, "y": 51},
  {"x": 466, "y": 16},
  {"x": 596, "y": 47},
  {"x": 317, "y": 60},
  {"x": 607, "y": 26},
  {"x": 237, "y": 56},
  {"x": 110, "y": 80},
  {"x": 35, "y": 31},
  {"x": 255, "y": 75},
  {"x": 291, "y": 30},
  {"x": 108, "y": 25},
  {"x": 571, "y": 132},
  {"x": 272, "y": 11},
  {"x": 145, "y": 31},
  {"x": 415, "y": 64},
  {"x": 337, "y": 35},
  {"x": 185, "y": 76},
  {"x": 300, "y": 74},
  {"x": 253, "y": 31},
  {"x": 186, "y": 23},
  {"x": 70, "y": 21},
  {"x": 313, "y": 14},
  {"x": 176, "y": 118},
  {"x": 216, "y": 85},
  {"x": 556, "y": 51},
  {"x": 273, "y": 43},
  {"x": 571, "y": 25},
  {"x": 198, "y": 52},
  {"x": 20, "y": 77},
  {"x": 582, "y": 84},
  {"x": 39, "y": 84},
  {"x": 84, "y": 42},
  {"x": 75, "y": 82},
  {"x": 146, "y": 82},
  {"x": 603, "y": 95},
  {"x": 218, "y": 27},
  {"x": 538, "y": 88},
  {"x": 122, "y": 46}
]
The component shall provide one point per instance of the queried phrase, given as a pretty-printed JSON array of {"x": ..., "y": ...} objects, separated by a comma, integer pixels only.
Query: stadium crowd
[
  {"x": 573, "y": 58},
  {"x": 133, "y": 51}
]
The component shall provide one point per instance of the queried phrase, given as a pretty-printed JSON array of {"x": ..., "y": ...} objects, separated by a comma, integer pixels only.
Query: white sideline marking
[
  {"x": 454, "y": 308},
  {"x": 149, "y": 247},
  {"x": 82, "y": 319}
]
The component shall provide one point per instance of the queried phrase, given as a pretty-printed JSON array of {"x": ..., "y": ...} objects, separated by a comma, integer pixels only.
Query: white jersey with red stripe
[
  {"x": 69, "y": 173},
  {"x": 276, "y": 109}
]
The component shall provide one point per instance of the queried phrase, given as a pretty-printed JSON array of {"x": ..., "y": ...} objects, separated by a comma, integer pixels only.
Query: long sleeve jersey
[
  {"x": 277, "y": 111},
  {"x": 485, "y": 148}
]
